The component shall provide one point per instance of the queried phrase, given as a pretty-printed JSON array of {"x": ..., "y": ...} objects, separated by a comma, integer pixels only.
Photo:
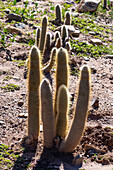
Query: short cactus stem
[
  {"x": 58, "y": 43},
  {"x": 33, "y": 105},
  {"x": 48, "y": 68},
  {"x": 58, "y": 12},
  {"x": 67, "y": 46},
  {"x": 57, "y": 35},
  {"x": 48, "y": 41},
  {"x": 78, "y": 124},
  {"x": 62, "y": 71},
  {"x": 62, "y": 111},
  {"x": 48, "y": 117},
  {"x": 64, "y": 34},
  {"x": 43, "y": 34},
  {"x": 68, "y": 18},
  {"x": 37, "y": 36}
]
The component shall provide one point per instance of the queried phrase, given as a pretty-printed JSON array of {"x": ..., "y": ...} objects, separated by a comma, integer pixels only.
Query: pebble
[
  {"x": 1, "y": 122},
  {"x": 96, "y": 41},
  {"x": 109, "y": 56},
  {"x": 20, "y": 25},
  {"x": 20, "y": 103},
  {"x": 15, "y": 30},
  {"x": 7, "y": 11},
  {"x": 25, "y": 115},
  {"x": 78, "y": 160},
  {"x": 95, "y": 103},
  {"x": 86, "y": 58},
  {"x": 92, "y": 33},
  {"x": 76, "y": 33},
  {"x": 75, "y": 14}
]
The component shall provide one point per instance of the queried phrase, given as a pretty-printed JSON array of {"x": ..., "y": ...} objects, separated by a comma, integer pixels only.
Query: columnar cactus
[
  {"x": 58, "y": 43},
  {"x": 33, "y": 97},
  {"x": 64, "y": 34},
  {"x": 68, "y": 18},
  {"x": 48, "y": 41},
  {"x": 48, "y": 117},
  {"x": 58, "y": 12},
  {"x": 37, "y": 36},
  {"x": 77, "y": 127},
  {"x": 67, "y": 46},
  {"x": 57, "y": 35},
  {"x": 62, "y": 71},
  {"x": 62, "y": 111},
  {"x": 43, "y": 34},
  {"x": 47, "y": 68}
]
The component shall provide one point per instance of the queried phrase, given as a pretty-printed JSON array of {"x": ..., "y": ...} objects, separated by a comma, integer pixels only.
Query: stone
[
  {"x": 76, "y": 33},
  {"x": 14, "y": 17},
  {"x": 14, "y": 30},
  {"x": 75, "y": 14},
  {"x": 86, "y": 58},
  {"x": 20, "y": 25},
  {"x": 92, "y": 33},
  {"x": 25, "y": 115},
  {"x": 109, "y": 56},
  {"x": 96, "y": 41},
  {"x": 78, "y": 160},
  {"x": 88, "y": 5},
  {"x": 20, "y": 103},
  {"x": 95, "y": 103},
  {"x": 1, "y": 122},
  {"x": 7, "y": 11}
]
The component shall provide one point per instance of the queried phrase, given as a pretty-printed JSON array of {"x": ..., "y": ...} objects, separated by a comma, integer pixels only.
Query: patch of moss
[{"x": 10, "y": 87}]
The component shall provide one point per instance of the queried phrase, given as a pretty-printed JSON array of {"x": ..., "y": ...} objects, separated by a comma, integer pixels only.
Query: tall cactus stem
[
  {"x": 37, "y": 36},
  {"x": 48, "y": 117},
  {"x": 77, "y": 128},
  {"x": 33, "y": 97},
  {"x": 58, "y": 12},
  {"x": 68, "y": 18},
  {"x": 43, "y": 34}
]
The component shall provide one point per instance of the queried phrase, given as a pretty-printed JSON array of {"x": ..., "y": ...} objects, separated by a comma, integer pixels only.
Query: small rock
[
  {"x": 7, "y": 11},
  {"x": 20, "y": 25},
  {"x": 1, "y": 122},
  {"x": 93, "y": 69},
  {"x": 20, "y": 103},
  {"x": 76, "y": 33},
  {"x": 88, "y": 5},
  {"x": 12, "y": 29},
  {"x": 109, "y": 56},
  {"x": 25, "y": 115},
  {"x": 77, "y": 160},
  {"x": 95, "y": 103},
  {"x": 92, "y": 33},
  {"x": 75, "y": 14},
  {"x": 96, "y": 41},
  {"x": 86, "y": 58},
  {"x": 14, "y": 17}
]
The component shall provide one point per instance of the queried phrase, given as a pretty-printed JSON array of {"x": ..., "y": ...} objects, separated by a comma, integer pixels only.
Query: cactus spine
[
  {"x": 68, "y": 18},
  {"x": 48, "y": 116},
  {"x": 37, "y": 36},
  {"x": 62, "y": 70},
  {"x": 58, "y": 12},
  {"x": 43, "y": 34},
  {"x": 62, "y": 111},
  {"x": 34, "y": 77},
  {"x": 52, "y": 61},
  {"x": 77, "y": 128}
]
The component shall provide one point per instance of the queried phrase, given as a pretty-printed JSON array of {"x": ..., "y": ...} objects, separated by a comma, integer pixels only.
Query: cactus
[
  {"x": 57, "y": 35},
  {"x": 52, "y": 61},
  {"x": 58, "y": 43},
  {"x": 68, "y": 18},
  {"x": 48, "y": 117},
  {"x": 64, "y": 34},
  {"x": 62, "y": 110},
  {"x": 58, "y": 13},
  {"x": 43, "y": 34},
  {"x": 48, "y": 41},
  {"x": 67, "y": 46},
  {"x": 33, "y": 106},
  {"x": 62, "y": 70},
  {"x": 37, "y": 36},
  {"x": 77, "y": 128}
]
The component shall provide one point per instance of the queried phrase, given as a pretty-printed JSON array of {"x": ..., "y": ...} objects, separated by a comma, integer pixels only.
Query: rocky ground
[{"x": 95, "y": 150}]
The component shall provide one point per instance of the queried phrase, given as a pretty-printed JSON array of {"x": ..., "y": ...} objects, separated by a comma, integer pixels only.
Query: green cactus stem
[
  {"x": 57, "y": 35},
  {"x": 37, "y": 36},
  {"x": 62, "y": 111},
  {"x": 62, "y": 72},
  {"x": 33, "y": 102},
  {"x": 68, "y": 18},
  {"x": 48, "y": 41},
  {"x": 67, "y": 46},
  {"x": 47, "y": 68},
  {"x": 58, "y": 43},
  {"x": 64, "y": 34},
  {"x": 43, "y": 34},
  {"x": 48, "y": 117},
  {"x": 58, "y": 12},
  {"x": 77, "y": 128}
]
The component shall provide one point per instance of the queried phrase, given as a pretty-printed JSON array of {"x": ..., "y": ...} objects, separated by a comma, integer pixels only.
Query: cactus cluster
[{"x": 54, "y": 110}]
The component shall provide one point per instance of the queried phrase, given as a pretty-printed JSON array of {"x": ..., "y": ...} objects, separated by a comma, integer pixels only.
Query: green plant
[
  {"x": 10, "y": 87},
  {"x": 43, "y": 34},
  {"x": 34, "y": 77},
  {"x": 68, "y": 18},
  {"x": 58, "y": 12}
]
